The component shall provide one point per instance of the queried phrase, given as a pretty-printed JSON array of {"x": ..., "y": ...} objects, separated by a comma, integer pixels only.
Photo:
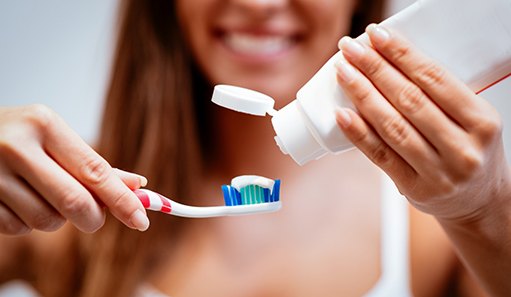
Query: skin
[
  {"x": 49, "y": 175},
  {"x": 300, "y": 250},
  {"x": 446, "y": 156},
  {"x": 206, "y": 266},
  {"x": 206, "y": 24}
]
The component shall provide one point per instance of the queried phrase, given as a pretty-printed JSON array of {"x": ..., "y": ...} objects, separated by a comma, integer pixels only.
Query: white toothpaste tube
[{"x": 470, "y": 38}]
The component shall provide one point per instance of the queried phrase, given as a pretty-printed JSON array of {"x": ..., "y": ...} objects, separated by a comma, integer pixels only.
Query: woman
[{"x": 327, "y": 240}]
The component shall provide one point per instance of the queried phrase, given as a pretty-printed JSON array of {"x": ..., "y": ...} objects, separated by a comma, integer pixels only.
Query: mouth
[{"x": 257, "y": 46}]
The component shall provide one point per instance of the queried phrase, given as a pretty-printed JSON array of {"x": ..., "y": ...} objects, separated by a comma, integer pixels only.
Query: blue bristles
[
  {"x": 231, "y": 196},
  {"x": 276, "y": 191},
  {"x": 251, "y": 194}
]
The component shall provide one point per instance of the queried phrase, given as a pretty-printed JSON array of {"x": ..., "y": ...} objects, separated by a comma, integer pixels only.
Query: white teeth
[{"x": 256, "y": 45}]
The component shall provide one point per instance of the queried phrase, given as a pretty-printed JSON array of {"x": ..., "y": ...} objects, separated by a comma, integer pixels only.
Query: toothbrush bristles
[{"x": 250, "y": 194}]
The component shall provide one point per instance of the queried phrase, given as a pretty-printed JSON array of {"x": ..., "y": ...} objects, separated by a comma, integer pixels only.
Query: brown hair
[
  {"x": 367, "y": 11},
  {"x": 150, "y": 126}
]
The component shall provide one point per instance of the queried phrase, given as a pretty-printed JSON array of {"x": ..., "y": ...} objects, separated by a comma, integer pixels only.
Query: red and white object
[{"x": 154, "y": 201}]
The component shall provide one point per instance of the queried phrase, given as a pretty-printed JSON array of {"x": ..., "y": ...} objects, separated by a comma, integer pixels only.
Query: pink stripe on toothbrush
[
  {"x": 143, "y": 197},
  {"x": 166, "y": 208},
  {"x": 153, "y": 201}
]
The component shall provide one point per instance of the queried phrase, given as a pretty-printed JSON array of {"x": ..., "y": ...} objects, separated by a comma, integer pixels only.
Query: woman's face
[{"x": 273, "y": 46}]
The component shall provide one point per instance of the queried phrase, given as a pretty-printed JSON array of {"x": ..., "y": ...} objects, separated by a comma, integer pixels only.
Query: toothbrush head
[{"x": 251, "y": 189}]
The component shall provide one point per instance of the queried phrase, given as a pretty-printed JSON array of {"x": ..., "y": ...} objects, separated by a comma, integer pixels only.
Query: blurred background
[{"x": 58, "y": 52}]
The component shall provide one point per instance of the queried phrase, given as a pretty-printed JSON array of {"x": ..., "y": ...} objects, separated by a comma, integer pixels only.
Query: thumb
[{"x": 132, "y": 180}]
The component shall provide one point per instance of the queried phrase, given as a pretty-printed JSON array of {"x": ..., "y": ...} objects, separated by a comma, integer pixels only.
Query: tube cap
[
  {"x": 293, "y": 135},
  {"x": 243, "y": 100}
]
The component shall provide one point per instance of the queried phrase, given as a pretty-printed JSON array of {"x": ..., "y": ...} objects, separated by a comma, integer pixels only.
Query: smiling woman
[
  {"x": 257, "y": 43},
  {"x": 342, "y": 232}
]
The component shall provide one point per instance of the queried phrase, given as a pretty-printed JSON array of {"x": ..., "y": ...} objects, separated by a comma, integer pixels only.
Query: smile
[{"x": 257, "y": 45}]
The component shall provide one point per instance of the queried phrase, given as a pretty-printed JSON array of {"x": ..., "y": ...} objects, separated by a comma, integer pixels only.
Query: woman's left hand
[{"x": 439, "y": 141}]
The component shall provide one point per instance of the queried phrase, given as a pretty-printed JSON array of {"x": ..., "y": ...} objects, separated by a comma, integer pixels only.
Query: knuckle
[
  {"x": 14, "y": 227},
  {"x": 395, "y": 130},
  {"x": 359, "y": 136},
  {"x": 360, "y": 94},
  {"x": 120, "y": 202},
  {"x": 40, "y": 116},
  {"x": 400, "y": 54},
  {"x": 8, "y": 148},
  {"x": 429, "y": 74},
  {"x": 470, "y": 162},
  {"x": 14, "y": 151},
  {"x": 373, "y": 67},
  {"x": 489, "y": 128},
  {"x": 74, "y": 204},
  {"x": 47, "y": 221},
  {"x": 380, "y": 154},
  {"x": 410, "y": 99},
  {"x": 94, "y": 171}
]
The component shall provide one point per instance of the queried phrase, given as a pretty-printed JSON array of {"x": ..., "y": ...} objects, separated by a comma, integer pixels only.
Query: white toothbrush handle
[{"x": 157, "y": 202}]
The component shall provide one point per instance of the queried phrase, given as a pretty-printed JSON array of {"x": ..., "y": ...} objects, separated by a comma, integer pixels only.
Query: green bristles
[{"x": 252, "y": 194}]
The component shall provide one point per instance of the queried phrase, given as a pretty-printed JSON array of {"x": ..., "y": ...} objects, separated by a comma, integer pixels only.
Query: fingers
[
  {"x": 96, "y": 175},
  {"x": 29, "y": 206},
  {"x": 48, "y": 172},
  {"x": 405, "y": 96},
  {"x": 59, "y": 188},
  {"x": 10, "y": 223},
  {"x": 394, "y": 72},
  {"x": 361, "y": 134},
  {"x": 450, "y": 94},
  {"x": 132, "y": 180},
  {"x": 426, "y": 117},
  {"x": 388, "y": 123}
]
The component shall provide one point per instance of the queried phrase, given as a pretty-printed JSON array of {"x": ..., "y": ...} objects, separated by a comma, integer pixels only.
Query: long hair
[{"x": 150, "y": 126}]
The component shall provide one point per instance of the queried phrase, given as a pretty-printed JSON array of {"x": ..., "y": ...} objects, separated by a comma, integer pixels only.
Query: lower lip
[{"x": 254, "y": 57}]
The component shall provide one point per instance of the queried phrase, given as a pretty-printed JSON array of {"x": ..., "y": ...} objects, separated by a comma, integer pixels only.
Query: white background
[{"x": 58, "y": 52}]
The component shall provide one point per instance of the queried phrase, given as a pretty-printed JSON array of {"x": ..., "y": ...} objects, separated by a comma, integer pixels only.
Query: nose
[{"x": 260, "y": 7}]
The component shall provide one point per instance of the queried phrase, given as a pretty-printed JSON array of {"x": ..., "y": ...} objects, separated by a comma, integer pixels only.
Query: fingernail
[
  {"x": 143, "y": 181},
  {"x": 345, "y": 70},
  {"x": 378, "y": 33},
  {"x": 139, "y": 220},
  {"x": 351, "y": 47},
  {"x": 343, "y": 117}
]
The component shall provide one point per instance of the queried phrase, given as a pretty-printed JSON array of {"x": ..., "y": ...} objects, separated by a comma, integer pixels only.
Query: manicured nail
[
  {"x": 351, "y": 47},
  {"x": 143, "y": 181},
  {"x": 378, "y": 33},
  {"x": 343, "y": 117},
  {"x": 139, "y": 220},
  {"x": 345, "y": 71}
]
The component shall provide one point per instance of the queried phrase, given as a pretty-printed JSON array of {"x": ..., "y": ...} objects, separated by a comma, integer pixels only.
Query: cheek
[
  {"x": 326, "y": 21},
  {"x": 192, "y": 16}
]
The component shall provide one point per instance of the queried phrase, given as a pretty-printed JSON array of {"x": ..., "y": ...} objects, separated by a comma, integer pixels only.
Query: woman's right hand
[{"x": 48, "y": 175}]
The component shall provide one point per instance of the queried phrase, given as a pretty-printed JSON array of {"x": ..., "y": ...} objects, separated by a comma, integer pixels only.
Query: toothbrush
[{"x": 247, "y": 194}]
